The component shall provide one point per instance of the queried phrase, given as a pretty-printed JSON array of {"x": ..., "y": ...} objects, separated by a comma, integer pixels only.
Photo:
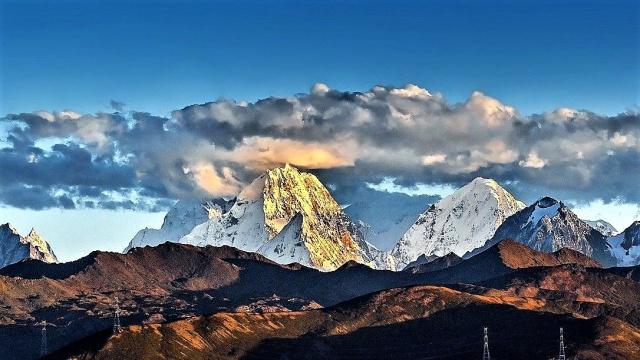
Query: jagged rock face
[
  {"x": 179, "y": 221},
  {"x": 548, "y": 226},
  {"x": 459, "y": 223},
  {"x": 327, "y": 238},
  {"x": 319, "y": 234},
  {"x": 632, "y": 235},
  {"x": 625, "y": 247},
  {"x": 15, "y": 248},
  {"x": 604, "y": 227}
]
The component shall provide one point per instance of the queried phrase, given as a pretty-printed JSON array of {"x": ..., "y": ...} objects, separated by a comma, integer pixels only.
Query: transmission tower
[
  {"x": 116, "y": 317},
  {"x": 485, "y": 353},
  {"x": 43, "y": 341},
  {"x": 561, "y": 355}
]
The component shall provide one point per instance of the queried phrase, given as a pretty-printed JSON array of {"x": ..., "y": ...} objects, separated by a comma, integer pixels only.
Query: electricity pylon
[
  {"x": 43, "y": 341},
  {"x": 116, "y": 318},
  {"x": 485, "y": 353},
  {"x": 561, "y": 355}
]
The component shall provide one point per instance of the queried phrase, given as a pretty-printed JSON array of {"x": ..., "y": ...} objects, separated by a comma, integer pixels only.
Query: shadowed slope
[
  {"x": 417, "y": 322},
  {"x": 423, "y": 264},
  {"x": 174, "y": 281}
]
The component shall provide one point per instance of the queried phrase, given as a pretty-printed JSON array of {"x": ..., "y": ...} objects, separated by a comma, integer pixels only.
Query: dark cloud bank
[{"x": 135, "y": 160}]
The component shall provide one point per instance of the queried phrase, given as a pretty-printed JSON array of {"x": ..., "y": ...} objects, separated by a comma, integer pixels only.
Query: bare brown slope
[
  {"x": 587, "y": 292},
  {"x": 517, "y": 256},
  {"x": 417, "y": 322},
  {"x": 174, "y": 281},
  {"x": 504, "y": 258},
  {"x": 505, "y": 255},
  {"x": 163, "y": 283}
]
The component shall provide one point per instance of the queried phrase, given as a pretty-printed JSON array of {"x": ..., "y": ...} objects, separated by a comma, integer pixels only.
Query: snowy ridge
[
  {"x": 287, "y": 247},
  {"x": 242, "y": 227},
  {"x": 625, "y": 247},
  {"x": 459, "y": 223},
  {"x": 179, "y": 221},
  {"x": 604, "y": 227},
  {"x": 15, "y": 248}
]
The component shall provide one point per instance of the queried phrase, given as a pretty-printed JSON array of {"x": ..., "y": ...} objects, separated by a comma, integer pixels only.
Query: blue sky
[
  {"x": 535, "y": 55},
  {"x": 157, "y": 57}
]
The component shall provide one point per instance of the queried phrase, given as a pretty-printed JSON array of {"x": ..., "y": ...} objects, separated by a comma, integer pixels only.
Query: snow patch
[
  {"x": 540, "y": 212},
  {"x": 625, "y": 257}
]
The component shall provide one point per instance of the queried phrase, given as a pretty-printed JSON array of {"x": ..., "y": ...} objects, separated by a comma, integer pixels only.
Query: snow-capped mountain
[
  {"x": 384, "y": 216},
  {"x": 625, "y": 246},
  {"x": 548, "y": 225},
  {"x": 15, "y": 248},
  {"x": 179, "y": 221},
  {"x": 604, "y": 227},
  {"x": 289, "y": 216},
  {"x": 459, "y": 223}
]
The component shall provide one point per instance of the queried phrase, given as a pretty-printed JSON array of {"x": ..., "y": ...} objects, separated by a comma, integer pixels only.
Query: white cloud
[
  {"x": 433, "y": 159},
  {"x": 534, "y": 161},
  {"x": 216, "y": 183},
  {"x": 406, "y": 133},
  {"x": 411, "y": 91},
  {"x": 319, "y": 89}
]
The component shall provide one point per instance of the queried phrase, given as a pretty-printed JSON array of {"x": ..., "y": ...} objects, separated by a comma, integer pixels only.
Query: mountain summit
[
  {"x": 548, "y": 225},
  {"x": 288, "y": 216},
  {"x": 15, "y": 248},
  {"x": 461, "y": 222}
]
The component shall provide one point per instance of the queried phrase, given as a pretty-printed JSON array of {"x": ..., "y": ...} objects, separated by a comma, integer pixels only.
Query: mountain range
[
  {"x": 549, "y": 225},
  {"x": 256, "y": 302},
  {"x": 289, "y": 216}
]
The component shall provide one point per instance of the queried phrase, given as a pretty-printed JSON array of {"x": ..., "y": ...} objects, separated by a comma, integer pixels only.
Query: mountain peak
[
  {"x": 289, "y": 216},
  {"x": 480, "y": 185},
  {"x": 7, "y": 228},
  {"x": 459, "y": 223},
  {"x": 548, "y": 225},
  {"x": 545, "y": 207},
  {"x": 285, "y": 171},
  {"x": 14, "y": 247},
  {"x": 547, "y": 201},
  {"x": 33, "y": 233},
  {"x": 634, "y": 224},
  {"x": 484, "y": 181}
]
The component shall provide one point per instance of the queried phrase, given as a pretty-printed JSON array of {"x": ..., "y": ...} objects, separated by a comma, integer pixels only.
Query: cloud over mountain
[{"x": 138, "y": 160}]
